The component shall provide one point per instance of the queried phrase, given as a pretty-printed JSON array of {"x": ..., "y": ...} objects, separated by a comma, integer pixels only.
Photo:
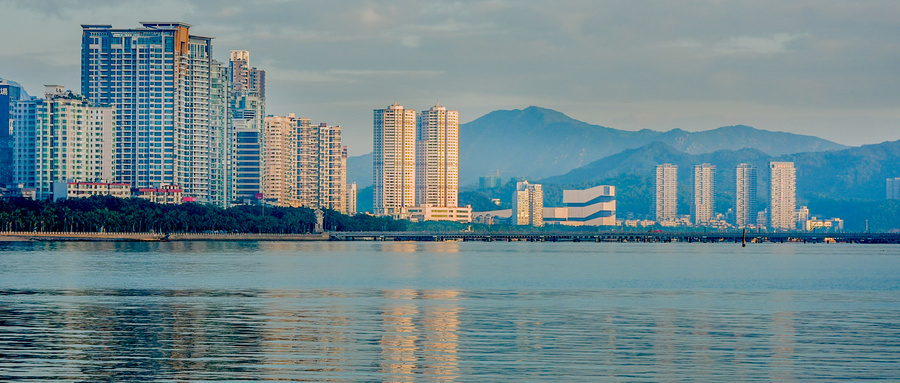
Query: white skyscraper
[
  {"x": 704, "y": 193},
  {"x": 745, "y": 195},
  {"x": 782, "y": 214},
  {"x": 437, "y": 157},
  {"x": 394, "y": 160},
  {"x": 666, "y": 192},
  {"x": 528, "y": 204}
]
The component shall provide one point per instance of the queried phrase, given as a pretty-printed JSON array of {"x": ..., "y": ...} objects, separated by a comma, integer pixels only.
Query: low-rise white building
[
  {"x": 590, "y": 207},
  {"x": 439, "y": 213}
]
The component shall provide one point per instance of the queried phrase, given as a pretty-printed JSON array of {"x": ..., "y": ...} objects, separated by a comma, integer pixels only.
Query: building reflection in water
[{"x": 420, "y": 335}]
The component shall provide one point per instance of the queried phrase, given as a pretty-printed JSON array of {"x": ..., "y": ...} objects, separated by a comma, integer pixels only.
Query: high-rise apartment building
[
  {"x": 783, "y": 196},
  {"x": 666, "y": 192},
  {"x": 279, "y": 171},
  {"x": 321, "y": 171},
  {"x": 745, "y": 195},
  {"x": 67, "y": 138},
  {"x": 893, "y": 188},
  {"x": 394, "y": 160},
  {"x": 10, "y": 94},
  {"x": 160, "y": 79},
  {"x": 248, "y": 110},
  {"x": 351, "y": 199},
  {"x": 437, "y": 157},
  {"x": 704, "y": 193},
  {"x": 528, "y": 204}
]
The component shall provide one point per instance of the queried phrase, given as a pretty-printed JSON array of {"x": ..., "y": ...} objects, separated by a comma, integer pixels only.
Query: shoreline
[{"x": 620, "y": 237}]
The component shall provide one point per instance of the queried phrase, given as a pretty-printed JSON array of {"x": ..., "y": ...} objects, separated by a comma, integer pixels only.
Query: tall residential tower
[
  {"x": 437, "y": 157},
  {"x": 704, "y": 193},
  {"x": 160, "y": 79},
  {"x": 745, "y": 199},
  {"x": 394, "y": 160},
  {"x": 666, "y": 192},
  {"x": 783, "y": 203}
]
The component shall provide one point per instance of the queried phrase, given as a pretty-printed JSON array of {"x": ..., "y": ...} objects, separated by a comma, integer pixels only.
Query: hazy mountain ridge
[
  {"x": 537, "y": 142},
  {"x": 854, "y": 173}
]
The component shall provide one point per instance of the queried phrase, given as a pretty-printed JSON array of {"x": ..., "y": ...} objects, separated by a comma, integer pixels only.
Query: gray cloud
[{"x": 824, "y": 68}]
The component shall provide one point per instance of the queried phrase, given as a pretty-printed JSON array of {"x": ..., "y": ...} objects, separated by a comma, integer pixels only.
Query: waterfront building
[
  {"x": 321, "y": 171},
  {"x": 345, "y": 154},
  {"x": 163, "y": 194},
  {"x": 351, "y": 199},
  {"x": 783, "y": 195},
  {"x": 22, "y": 125},
  {"x": 63, "y": 189},
  {"x": 528, "y": 204},
  {"x": 394, "y": 160},
  {"x": 893, "y": 188},
  {"x": 666, "y": 192},
  {"x": 439, "y": 213},
  {"x": 67, "y": 138},
  {"x": 248, "y": 112},
  {"x": 437, "y": 157},
  {"x": 592, "y": 207},
  {"x": 704, "y": 193},
  {"x": 745, "y": 195},
  {"x": 280, "y": 165},
  {"x": 160, "y": 78},
  {"x": 221, "y": 141}
]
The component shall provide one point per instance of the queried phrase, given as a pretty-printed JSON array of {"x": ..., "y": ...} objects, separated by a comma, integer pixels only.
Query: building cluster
[
  {"x": 159, "y": 116},
  {"x": 782, "y": 213},
  {"x": 416, "y": 164}
]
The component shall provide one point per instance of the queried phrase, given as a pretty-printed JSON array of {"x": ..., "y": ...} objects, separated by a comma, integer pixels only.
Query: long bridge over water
[{"x": 621, "y": 236}]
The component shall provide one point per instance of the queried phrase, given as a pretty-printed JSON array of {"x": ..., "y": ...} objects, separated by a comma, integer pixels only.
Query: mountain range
[{"x": 538, "y": 143}]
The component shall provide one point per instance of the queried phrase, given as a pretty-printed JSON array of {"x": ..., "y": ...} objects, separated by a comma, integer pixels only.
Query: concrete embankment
[{"x": 155, "y": 237}]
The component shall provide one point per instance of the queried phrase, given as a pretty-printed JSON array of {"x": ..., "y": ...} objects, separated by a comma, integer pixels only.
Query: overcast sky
[{"x": 825, "y": 68}]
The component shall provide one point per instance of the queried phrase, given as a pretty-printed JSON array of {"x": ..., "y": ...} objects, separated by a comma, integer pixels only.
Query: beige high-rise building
[
  {"x": 321, "y": 171},
  {"x": 666, "y": 192},
  {"x": 279, "y": 160},
  {"x": 745, "y": 195},
  {"x": 437, "y": 157},
  {"x": 351, "y": 199},
  {"x": 783, "y": 201},
  {"x": 394, "y": 160},
  {"x": 704, "y": 193},
  {"x": 528, "y": 204}
]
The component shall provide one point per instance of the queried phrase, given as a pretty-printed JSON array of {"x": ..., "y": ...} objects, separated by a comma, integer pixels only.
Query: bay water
[{"x": 448, "y": 311}]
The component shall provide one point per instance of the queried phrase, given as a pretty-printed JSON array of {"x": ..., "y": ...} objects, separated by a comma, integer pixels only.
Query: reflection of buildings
[{"x": 420, "y": 340}]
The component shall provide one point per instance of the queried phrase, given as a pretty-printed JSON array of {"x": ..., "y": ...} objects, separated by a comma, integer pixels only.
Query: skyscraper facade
[
  {"x": 704, "y": 193},
  {"x": 437, "y": 157},
  {"x": 160, "y": 79},
  {"x": 666, "y": 192},
  {"x": 783, "y": 196},
  {"x": 394, "y": 160},
  {"x": 745, "y": 195},
  {"x": 528, "y": 204}
]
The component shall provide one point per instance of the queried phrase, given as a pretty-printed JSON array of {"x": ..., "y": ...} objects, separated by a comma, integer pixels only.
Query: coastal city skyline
[{"x": 658, "y": 74}]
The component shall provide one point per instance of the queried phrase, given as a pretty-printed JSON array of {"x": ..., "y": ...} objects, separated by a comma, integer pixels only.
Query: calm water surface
[{"x": 447, "y": 312}]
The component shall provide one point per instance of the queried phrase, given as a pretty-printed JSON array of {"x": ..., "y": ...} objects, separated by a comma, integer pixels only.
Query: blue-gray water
[{"x": 473, "y": 312}]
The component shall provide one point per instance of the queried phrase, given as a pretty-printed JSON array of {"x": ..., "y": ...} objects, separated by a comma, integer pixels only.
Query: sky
[{"x": 824, "y": 68}]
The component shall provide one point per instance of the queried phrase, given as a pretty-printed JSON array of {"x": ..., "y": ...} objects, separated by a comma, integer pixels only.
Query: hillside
[
  {"x": 537, "y": 143},
  {"x": 855, "y": 174}
]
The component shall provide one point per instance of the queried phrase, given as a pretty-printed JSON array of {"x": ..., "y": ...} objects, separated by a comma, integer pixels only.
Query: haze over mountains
[{"x": 539, "y": 143}]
